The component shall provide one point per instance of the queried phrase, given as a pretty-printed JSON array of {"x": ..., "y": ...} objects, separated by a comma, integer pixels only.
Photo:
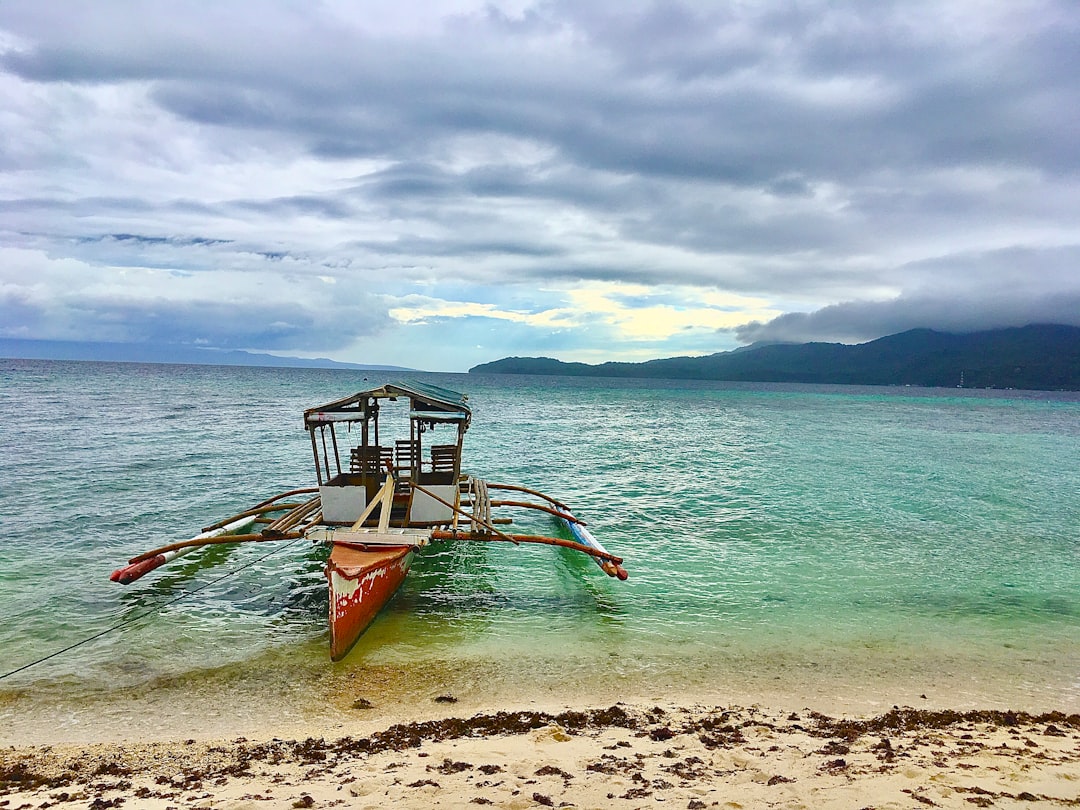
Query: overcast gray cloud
[{"x": 432, "y": 183}]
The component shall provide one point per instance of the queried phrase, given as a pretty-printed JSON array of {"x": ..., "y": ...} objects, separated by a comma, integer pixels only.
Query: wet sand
[{"x": 693, "y": 756}]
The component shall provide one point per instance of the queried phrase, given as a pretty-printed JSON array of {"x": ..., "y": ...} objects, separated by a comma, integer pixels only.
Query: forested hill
[{"x": 1039, "y": 357}]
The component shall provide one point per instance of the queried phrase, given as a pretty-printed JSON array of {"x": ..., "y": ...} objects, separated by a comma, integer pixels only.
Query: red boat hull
[{"x": 361, "y": 582}]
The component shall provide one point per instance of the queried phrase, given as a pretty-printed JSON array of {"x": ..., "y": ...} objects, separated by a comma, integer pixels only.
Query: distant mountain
[
  {"x": 162, "y": 353},
  {"x": 1038, "y": 357}
]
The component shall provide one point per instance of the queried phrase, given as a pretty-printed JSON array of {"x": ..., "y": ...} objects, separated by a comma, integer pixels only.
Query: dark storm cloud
[
  {"x": 1018, "y": 287},
  {"x": 859, "y": 321},
  {"x": 671, "y": 92},
  {"x": 699, "y": 107}
]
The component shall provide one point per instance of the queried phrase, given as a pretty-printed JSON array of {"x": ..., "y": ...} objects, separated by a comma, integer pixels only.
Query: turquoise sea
[{"x": 793, "y": 545}]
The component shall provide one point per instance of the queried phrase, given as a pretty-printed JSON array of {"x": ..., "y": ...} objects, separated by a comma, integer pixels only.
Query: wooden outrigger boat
[{"x": 378, "y": 502}]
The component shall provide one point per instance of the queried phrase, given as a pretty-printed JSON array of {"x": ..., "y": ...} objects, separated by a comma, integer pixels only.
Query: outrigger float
[{"x": 379, "y": 502}]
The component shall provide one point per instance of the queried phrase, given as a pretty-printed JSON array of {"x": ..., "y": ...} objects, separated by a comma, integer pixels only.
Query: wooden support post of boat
[{"x": 388, "y": 486}]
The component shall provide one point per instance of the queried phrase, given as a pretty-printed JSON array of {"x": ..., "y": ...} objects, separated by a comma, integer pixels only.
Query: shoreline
[
  {"x": 297, "y": 692},
  {"x": 333, "y": 701},
  {"x": 693, "y": 756},
  {"x": 312, "y": 696}
]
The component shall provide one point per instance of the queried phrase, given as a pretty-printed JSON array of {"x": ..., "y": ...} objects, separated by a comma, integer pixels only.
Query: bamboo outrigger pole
[
  {"x": 255, "y": 511},
  {"x": 220, "y": 540},
  {"x": 145, "y": 563},
  {"x": 222, "y": 533},
  {"x": 292, "y": 518},
  {"x": 263, "y": 504},
  {"x": 526, "y": 505},
  {"x": 515, "y": 488},
  {"x": 440, "y": 534}
]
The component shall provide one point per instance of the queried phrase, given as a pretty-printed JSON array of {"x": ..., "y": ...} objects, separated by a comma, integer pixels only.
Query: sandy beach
[{"x": 617, "y": 756}]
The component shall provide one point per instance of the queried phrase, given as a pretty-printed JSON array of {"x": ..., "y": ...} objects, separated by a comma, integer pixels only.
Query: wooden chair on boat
[
  {"x": 443, "y": 457},
  {"x": 371, "y": 460},
  {"x": 406, "y": 461}
]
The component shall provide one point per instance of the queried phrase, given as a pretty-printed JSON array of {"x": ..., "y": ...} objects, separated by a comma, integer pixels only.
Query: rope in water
[{"x": 146, "y": 613}]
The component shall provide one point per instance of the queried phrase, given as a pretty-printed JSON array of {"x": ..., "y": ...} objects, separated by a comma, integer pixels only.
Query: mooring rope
[{"x": 146, "y": 613}]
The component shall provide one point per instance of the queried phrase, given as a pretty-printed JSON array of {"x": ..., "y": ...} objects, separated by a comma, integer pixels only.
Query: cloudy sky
[{"x": 438, "y": 183}]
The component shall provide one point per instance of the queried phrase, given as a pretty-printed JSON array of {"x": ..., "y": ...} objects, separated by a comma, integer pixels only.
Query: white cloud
[{"x": 630, "y": 314}]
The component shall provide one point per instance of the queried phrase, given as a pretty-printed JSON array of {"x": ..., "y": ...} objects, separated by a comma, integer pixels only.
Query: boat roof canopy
[{"x": 429, "y": 403}]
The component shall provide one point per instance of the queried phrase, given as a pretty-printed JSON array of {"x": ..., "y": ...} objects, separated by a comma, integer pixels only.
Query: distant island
[
  {"x": 164, "y": 353},
  {"x": 1037, "y": 357}
]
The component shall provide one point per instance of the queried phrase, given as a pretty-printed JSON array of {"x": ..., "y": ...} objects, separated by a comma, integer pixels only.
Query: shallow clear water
[{"x": 822, "y": 543}]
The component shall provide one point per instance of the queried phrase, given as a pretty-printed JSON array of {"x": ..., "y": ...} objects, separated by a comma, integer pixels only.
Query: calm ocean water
[{"x": 815, "y": 544}]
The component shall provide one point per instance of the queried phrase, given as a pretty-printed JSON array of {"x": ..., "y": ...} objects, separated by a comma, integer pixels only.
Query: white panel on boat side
[
  {"x": 426, "y": 509},
  {"x": 342, "y": 504}
]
